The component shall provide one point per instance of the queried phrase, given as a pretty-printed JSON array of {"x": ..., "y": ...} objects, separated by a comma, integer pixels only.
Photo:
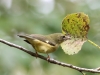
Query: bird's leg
[
  {"x": 36, "y": 54},
  {"x": 48, "y": 57}
]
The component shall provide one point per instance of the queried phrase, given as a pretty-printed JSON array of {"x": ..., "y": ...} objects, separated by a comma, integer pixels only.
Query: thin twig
[{"x": 96, "y": 70}]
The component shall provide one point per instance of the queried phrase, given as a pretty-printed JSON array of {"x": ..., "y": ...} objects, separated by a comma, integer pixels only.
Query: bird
[{"x": 44, "y": 43}]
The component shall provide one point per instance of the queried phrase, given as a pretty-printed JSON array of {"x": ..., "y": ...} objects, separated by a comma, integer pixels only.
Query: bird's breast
[{"x": 43, "y": 47}]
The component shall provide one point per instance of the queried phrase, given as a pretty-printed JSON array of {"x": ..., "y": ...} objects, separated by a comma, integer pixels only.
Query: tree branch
[{"x": 97, "y": 70}]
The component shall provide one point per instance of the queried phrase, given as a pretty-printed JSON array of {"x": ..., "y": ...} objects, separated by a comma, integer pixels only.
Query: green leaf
[{"x": 76, "y": 25}]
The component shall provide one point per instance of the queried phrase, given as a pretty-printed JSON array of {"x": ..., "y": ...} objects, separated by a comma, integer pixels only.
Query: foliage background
[{"x": 45, "y": 17}]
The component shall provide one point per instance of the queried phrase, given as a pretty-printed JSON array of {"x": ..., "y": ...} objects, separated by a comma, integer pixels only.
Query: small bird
[{"x": 44, "y": 43}]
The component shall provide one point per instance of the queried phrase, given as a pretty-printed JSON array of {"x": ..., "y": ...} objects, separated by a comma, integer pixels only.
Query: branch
[{"x": 97, "y": 70}]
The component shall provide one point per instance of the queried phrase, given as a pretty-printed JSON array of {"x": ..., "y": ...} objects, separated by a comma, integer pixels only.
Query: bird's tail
[{"x": 24, "y": 36}]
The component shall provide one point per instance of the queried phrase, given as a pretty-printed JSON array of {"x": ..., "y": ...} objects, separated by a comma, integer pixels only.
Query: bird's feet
[
  {"x": 48, "y": 58},
  {"x": 36, "y": 54}
]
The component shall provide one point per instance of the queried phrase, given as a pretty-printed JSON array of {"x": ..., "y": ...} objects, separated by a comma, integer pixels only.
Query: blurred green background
[{"x": 45, "y": 17}]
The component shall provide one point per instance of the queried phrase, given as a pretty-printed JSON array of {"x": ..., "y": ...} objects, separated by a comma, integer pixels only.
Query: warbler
[{"x": 44, "y": 43}]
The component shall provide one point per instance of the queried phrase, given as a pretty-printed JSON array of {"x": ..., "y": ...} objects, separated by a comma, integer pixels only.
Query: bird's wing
[{"x": 38, "y": 37}]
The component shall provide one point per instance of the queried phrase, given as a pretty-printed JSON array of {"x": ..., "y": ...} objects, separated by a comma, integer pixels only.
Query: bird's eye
[{"x": 63, "y": 37}]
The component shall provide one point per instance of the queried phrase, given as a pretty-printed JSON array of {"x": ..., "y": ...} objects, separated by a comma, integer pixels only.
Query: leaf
[
  {"x": 72, "y": 46},
  {"x": 76, "y": 25}
]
